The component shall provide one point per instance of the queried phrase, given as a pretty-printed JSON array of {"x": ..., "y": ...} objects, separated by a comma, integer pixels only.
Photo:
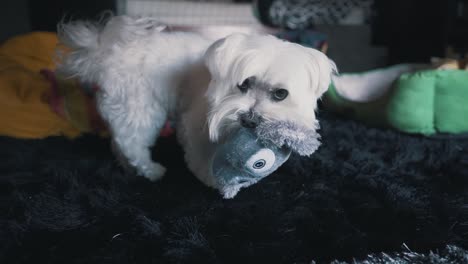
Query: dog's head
[{"x": 261, "y": 79}]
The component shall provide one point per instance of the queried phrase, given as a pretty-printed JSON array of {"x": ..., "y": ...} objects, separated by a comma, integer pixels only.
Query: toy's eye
[
  {"x": 280, "y": 94},
  {"x": 246, "y": 84},
  {"x": 259, "y": 164}
]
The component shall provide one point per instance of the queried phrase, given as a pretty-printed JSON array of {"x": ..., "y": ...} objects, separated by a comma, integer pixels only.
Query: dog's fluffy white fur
[{"x": 147, "y": 75}]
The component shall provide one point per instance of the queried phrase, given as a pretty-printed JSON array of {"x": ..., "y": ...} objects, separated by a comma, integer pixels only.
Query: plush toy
[
  {"x": 250, "y": 155},
  {"x": 421, "y": 99}
]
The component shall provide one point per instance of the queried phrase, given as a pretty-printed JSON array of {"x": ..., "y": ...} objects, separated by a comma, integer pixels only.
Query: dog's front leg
[{"x": 134, "y": 128}]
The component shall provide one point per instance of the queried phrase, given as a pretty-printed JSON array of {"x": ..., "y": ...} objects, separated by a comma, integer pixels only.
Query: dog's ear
[
  {"x": 220, "y": 54},
  {"x": 321, "y": 69}
]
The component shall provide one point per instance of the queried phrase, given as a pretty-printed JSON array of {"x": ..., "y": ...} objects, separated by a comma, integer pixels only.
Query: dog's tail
[
  {"x": 78, "y": 49},
  {"x": 82, "y": 44}
]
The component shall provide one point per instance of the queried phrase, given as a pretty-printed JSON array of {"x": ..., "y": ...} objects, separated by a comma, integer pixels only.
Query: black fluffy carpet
[{"x": 366, "y": 194}]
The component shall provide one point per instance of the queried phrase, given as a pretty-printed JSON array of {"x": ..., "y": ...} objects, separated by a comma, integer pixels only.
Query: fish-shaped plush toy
[{"x": 250, "y": 155}]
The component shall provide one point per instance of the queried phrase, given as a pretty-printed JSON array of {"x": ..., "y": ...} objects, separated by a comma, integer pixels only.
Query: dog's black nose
[
  {"x": 249, "y": 120},
  {"x": 247, "y": 123}
]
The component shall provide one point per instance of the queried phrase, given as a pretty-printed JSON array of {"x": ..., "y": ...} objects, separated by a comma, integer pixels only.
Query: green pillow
[{"x": 424, "y": 101}]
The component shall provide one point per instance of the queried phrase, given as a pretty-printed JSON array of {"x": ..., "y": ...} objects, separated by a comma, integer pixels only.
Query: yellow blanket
[{"x": 25, "y": 111}]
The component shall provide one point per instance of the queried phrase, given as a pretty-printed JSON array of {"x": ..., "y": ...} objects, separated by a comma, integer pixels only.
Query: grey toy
[{"x": 250, "y": 155}]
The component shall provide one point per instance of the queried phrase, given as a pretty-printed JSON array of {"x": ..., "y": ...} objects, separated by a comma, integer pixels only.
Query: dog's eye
[
  {"x": 245, "y": 85},
  {"x": 280, "y": 94}
]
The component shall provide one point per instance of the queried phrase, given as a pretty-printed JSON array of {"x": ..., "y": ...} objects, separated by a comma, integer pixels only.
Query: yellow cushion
[{"x": 25, "y": 111}]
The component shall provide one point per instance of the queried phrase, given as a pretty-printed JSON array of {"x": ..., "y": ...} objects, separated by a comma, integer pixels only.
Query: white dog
[{"x": 208, "y": 87}]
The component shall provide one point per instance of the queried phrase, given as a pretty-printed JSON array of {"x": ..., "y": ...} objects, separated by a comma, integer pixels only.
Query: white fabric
[{"x": 369, "y": 86}]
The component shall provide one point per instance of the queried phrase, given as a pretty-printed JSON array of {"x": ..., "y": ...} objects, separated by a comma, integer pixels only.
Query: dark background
[
  {"x": 413, "y": 31},
  {"x": 21, "y": 16}
]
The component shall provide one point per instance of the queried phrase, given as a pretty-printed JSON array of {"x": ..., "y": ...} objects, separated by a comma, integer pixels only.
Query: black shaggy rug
[{"x": 366, "y": 195}]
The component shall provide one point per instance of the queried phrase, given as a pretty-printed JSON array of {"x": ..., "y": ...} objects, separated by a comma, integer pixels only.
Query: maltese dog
[{"x": 147, "y": 75}]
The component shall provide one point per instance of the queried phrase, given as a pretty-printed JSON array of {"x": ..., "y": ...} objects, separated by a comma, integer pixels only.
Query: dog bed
[
  {"x": 409, "y": 98},
  {"x": 366, "y": 194}
]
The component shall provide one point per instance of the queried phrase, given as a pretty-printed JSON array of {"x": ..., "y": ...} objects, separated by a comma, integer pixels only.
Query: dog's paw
[{"x": 153, "y": 172}]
